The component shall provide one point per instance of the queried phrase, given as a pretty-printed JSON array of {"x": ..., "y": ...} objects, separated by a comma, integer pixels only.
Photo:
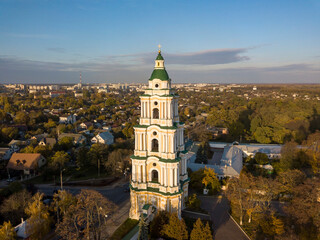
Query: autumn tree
[
  {"x": 271, "y": 225},
  {"x": 13, "y": 207},
  {"x": 210, "y": 180},
  {"x": 193, "y": 202},
  {"x": 176, "y": 228},
  {"x": 39, "y": 219},
  {"x": 7, "y": 231},
  {"x": 61, "y": 203},
  {"x": 86, "y": 218},
  {"x": 289, "y": 179},
  {"x": 200, "y": 232},
  {"x": 305, "y": 204}
]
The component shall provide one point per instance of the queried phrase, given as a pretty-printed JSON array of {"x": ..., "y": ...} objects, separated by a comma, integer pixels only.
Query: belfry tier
[{"x": 159, "y": 117}]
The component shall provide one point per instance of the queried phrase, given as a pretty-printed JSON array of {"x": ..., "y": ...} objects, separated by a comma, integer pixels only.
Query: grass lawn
[{"x": 124, "y": 229}]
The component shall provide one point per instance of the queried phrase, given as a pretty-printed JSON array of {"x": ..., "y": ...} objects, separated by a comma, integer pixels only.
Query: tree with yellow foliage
[
  {"x": 200, "y": 232},
  {"x": 210, "y": 179},
  {"x": 7, "y": 231},
  {"x": 38, "y": 224}
]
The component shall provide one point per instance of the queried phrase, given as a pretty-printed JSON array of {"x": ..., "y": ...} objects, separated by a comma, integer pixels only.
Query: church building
[{"x": 159, "y": 169}]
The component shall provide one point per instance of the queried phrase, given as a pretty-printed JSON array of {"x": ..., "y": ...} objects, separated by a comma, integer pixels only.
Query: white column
[
  {"x": 144, "y": 173},
  {"x": 165, "y": 176},
  {"x": 166, "y": 110},
  {"x": 139, "y": 174},
  {"x": 133, "y": 177},
  {"x": 136, "y": 141}
]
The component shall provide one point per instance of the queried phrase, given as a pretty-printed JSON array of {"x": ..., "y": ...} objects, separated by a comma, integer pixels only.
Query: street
[{"x": 224, "y": 226}]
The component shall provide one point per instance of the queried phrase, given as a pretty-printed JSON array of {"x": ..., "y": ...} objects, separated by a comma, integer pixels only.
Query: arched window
[
  {"x": 155, "y": 113},
  {"x": 154, "y": 176},
  {"x": 155, "y": 146}
]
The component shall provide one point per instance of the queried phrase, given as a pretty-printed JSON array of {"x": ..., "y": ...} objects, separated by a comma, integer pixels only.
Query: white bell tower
[{"x": 159, "y": 169}]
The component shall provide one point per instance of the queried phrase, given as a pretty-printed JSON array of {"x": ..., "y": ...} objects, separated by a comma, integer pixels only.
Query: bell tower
[{"x": 159, "y": 170}]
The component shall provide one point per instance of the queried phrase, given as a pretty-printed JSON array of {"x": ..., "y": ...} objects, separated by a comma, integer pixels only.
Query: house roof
[
  {"x": 105, "y": 135},
  {"x": 21, "y": 161}
]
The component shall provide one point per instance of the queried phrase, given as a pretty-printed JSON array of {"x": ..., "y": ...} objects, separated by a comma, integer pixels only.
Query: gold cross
[{"x": 159, "y": 46}]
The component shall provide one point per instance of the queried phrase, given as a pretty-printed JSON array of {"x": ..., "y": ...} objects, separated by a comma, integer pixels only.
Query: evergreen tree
[
  {"x": 176, "y": 228},
  {"x": 143, "y": 229},
  {"x": 200, "y": 232}
]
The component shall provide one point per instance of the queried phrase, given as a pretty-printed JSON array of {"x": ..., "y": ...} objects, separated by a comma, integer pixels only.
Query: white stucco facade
[{"x": 159, "y": 169}]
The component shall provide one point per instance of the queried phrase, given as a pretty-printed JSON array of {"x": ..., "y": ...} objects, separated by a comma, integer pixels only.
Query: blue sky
[{"x": 51, "y": 41}]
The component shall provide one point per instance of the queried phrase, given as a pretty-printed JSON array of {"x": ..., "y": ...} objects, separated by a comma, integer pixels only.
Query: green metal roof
[
  {"x": 146, "y": 206},
  {"x": 159, "y": 57},
  {"x": 159, "y": 74}
]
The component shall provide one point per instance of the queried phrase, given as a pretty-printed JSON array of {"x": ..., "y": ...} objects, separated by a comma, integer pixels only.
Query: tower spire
[{"x": 159, "y": 46}]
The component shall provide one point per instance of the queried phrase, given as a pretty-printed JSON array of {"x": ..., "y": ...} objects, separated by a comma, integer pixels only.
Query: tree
[
  {"x": 157, "y": 224},
  {"x": 65, "y": 143},
  {"x": 313, "y": 150},
  {"x": 13, "y": 207},
  {"x": 200, "y": 232},
  {"x": 143, "y": 229},
  {"x": 271, "y": 225},
  {"x": 175, "y": 228},
  {"x": 201, "y": 155},
  {"x": 7, "y": 231},
  {"x": 82, "y": 157},
  {"x": 87, "y": 217},
  {"x": 39, "y": 219},
  {"x": 288, "y": 180},
  {"x": 59, "y": 160},
  {"x": 194, "y": 202},
  {"x": 236, "y": 196},
  {"x": 261, "y": 158},
  {"x": 61, "y": 202},
  {"x": 210, "y": 179},
  {"x": 22, "y": 117},
  {"x": 118, "y": 161},
  {"x": 9, "y": 133},
  {"x": 196, "y": 179},
  {"x": 289, "y": 153},
  {"x": 110, "y": 102},
  {"x": 98, "y": 154},
  {"x": 305, "y": 205}
]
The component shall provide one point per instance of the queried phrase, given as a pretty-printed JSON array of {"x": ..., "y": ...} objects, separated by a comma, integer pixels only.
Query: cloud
[
  {"x": 207, "y": 57},
  {"x": 134, "y": 68},
  {"x": 57, "y": 49}
]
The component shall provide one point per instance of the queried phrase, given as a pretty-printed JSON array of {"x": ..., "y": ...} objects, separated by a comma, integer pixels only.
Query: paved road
[{"x": 224, "y": 226}]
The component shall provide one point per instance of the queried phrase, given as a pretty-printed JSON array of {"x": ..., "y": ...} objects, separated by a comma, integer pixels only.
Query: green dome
[
  {"x": 159, "y": 74},
  {"x": 159, "y": 57}
]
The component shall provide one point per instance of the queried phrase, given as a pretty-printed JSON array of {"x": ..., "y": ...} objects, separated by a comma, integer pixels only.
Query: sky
[{"x": 111, "y": 41}]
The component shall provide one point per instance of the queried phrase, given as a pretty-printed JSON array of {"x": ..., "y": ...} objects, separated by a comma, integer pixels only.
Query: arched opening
[
  {"x": 155, "y": 113},
  {"x": 154, "y": 176},
  {"x": 155, "y": 146}
]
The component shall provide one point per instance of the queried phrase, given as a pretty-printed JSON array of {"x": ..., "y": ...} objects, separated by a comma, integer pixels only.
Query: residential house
[
  {"x": 5, "y": 153},
  {"x": 67, "y": 119},
  {"x": 21, "y": 230},
  {"x": 48, "y": 141},
  {"x": 85, "y": 125},
  {"x": 104, "y": 138},
  {"x": 26, "y": 163}
]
